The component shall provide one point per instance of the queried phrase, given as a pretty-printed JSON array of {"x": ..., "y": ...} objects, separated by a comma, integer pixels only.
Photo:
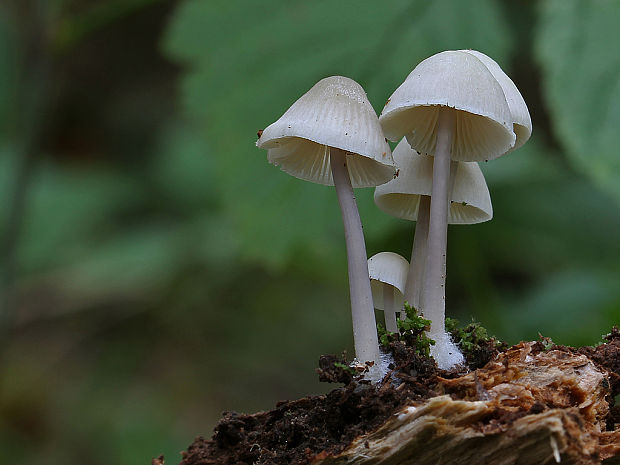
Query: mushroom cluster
[{"x": 454, "y": 109}]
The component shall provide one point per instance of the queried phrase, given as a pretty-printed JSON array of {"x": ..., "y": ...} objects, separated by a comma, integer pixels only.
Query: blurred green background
[{"x": 156, "y": 270}]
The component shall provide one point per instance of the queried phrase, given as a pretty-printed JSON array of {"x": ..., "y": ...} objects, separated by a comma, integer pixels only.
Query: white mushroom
[
  {"x": 450, "y": 106},
  {"x": 332, "y": 136},
  {"x": 388, "y": 274}
]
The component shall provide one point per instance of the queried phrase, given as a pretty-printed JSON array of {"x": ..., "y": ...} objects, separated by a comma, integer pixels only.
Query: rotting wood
[
  {"x": 442, "y": 431},
  {"x": 557, "y": 400},
  {"x": 534, "y": 403}
]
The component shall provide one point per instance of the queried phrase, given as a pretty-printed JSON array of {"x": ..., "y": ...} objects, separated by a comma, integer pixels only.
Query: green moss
[
  {"x": 547, "y": 342},
  {"x": 471, "y": 337},
  {"x": 346, "y": 368},
  {"x": 411, "y": 331},
  {"x": 384, "y": 335},
  {"x": 475, "y": 342}
]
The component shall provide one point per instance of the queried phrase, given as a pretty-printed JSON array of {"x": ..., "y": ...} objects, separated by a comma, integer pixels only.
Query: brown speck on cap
[{"x": 259, "y": 133}]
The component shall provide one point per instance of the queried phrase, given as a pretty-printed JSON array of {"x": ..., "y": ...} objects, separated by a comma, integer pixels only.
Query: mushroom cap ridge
[
  {"x": 470, "y": 201},
  {"x": 388, "y": 268},
  {"x": 518, "y": 108},
  {"x": 459, "y": 80},
  {"x": 335, "y": 112}
]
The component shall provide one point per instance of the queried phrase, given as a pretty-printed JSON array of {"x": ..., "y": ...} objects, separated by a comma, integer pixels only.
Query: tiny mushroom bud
[
  {"x": 331, "y": 135},
  {"x": 450, "y": 106},
  {"x": 388, "y": 274}
]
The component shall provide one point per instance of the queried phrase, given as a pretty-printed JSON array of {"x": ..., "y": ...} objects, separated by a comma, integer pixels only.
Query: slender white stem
[
  {"x": 388, "y": 308},
  {"x": 433, "y": 298},
  {"x": 415, "y": 277},
  {"x": 364, "y": 329}
]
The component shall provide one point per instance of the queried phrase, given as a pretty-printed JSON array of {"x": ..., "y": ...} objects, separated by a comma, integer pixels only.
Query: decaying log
[
  {"x": 533, "y": 404},
  {"x": 529, "y": 406},
  {"x": 443, "y": 431}
]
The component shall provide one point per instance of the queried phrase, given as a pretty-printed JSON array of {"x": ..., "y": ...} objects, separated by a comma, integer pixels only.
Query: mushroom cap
[
  {"x": 470, "y": 201},
  {"x": 518, "y": 109},
  {"x": 459, "y": 80},
  {"x": 387, "y": 268},
  {"x": 335, "y": 112}
]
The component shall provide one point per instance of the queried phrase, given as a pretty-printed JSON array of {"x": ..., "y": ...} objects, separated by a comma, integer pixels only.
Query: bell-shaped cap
[
  {"x": 335, "y": 112},
  {"x": 470, "y": 202},
  {"x": 518, "y": 109},
  {"x": 388, "y": 268},
  {"x": 456, "y": 79}
]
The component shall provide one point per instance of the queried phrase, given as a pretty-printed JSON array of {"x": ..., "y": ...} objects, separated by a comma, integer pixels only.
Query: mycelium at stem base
[
  {"x": 364, "y": 330},
  {"x": 433, "y": 296}
]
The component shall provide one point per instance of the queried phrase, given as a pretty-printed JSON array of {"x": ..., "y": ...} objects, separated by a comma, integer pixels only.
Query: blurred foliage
[
  {"x": 165, "y": 272},
  {"x": 582, "y": 84},
  {"x": 293, "y": 45}
]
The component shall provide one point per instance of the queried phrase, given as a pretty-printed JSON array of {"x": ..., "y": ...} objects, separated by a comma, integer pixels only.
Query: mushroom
[
  {"x": 408, "y": 197},
  {"x": 452, "y": 107},
  {"x": 388, "y": 274},
  {"x": 332, "y": 136}
]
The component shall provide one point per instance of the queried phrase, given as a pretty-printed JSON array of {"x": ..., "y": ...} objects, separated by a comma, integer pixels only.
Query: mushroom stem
[
  {"x": 415, "y": 276},
  {"x": 364, "y": 329},
  {"x": 433, "y": 297},
  {"x": 388, "y": 308}
]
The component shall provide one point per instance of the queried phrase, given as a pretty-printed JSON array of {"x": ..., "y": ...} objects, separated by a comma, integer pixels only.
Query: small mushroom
[
  {"x": 408, "y": 197},
  {"x": 452, "y": 107},
  {"x": 331, "y": 135},
  {"x": 388, "y": 274}
]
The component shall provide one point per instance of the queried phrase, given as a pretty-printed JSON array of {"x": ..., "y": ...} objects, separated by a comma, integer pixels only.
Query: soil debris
[
  {"x": 534, "y": 389},
  {"x": 335, "y": 370}
]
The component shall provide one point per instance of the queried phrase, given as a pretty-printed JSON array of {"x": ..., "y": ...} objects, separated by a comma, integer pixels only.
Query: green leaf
[
  {"x": 545, "y": 212},
  {"x": 532, "y": 163},
  {"x": 581, "y": 70},
  {"x": 247, "y": 63}
]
